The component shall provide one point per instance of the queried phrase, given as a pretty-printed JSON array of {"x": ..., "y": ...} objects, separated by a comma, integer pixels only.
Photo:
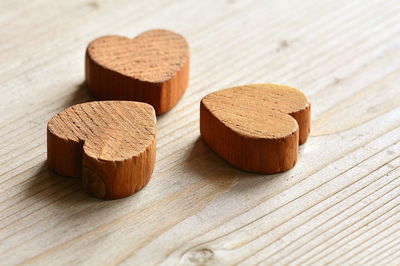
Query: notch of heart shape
[{"x": 257, "y": 127}]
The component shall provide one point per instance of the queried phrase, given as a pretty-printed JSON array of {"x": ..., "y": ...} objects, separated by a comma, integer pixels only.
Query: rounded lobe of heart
[
  {"x": 256, "y": 127},
  {"x": 111, "y": 144},
  {"x": 152, "y": 67}
]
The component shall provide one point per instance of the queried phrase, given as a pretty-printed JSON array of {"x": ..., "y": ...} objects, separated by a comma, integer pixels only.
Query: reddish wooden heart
[
  {"x": 111, "y": 144},
  {"x": 151, "y": 68},
  {"x": 256, "y": 127}
]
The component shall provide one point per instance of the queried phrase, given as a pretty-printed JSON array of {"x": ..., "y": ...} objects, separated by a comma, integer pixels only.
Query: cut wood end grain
[
  {"x": 256, "y": 127},
  {"x": 152, "y": 67},
  {"x": 111, "y": 144}
]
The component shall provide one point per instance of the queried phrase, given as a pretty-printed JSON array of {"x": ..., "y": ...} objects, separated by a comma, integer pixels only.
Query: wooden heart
[
  {"x": 151, "y": 68},
  {"x": 256, "y": 127},
  {"x": 111, "y": 144}
]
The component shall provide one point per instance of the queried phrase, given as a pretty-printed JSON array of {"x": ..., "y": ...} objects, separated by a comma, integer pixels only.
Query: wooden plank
[{"x": 339, "y": 205}]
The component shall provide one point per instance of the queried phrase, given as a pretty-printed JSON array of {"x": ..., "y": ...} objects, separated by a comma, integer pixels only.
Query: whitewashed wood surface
[{"x": 339, "y": 205}]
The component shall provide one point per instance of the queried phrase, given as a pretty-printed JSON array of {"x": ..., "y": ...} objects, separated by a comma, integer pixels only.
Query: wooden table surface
[{"x": 339, "y": 205}]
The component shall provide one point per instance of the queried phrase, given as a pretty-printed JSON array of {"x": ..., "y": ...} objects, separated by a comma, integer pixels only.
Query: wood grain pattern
[
  {"x": 152, "y": 67},
  {"x": 110, "y": 144},
  {"x": 256, "y": 127},
  {"x": 339, "y": 205}
]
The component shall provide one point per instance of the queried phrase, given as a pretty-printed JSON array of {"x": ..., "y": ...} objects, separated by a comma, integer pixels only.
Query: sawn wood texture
[
  {"x": 110, "y": 144},
  {"x": 152, "y": 67},
  {"x": 256, "y": 127}
]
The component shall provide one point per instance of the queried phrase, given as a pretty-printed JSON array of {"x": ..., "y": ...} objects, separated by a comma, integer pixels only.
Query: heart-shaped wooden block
[
  {"x": 151, "y": 68},
  {"x": 256, "y": 127},
  {"x": 110, "y": 144}
]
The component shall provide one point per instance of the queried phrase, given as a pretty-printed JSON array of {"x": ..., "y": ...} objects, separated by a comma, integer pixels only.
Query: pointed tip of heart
[{"x": 256, "y": 127}]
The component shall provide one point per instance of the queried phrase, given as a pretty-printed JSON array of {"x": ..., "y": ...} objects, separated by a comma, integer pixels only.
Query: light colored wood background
[{"x": 339, "y": 205}]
